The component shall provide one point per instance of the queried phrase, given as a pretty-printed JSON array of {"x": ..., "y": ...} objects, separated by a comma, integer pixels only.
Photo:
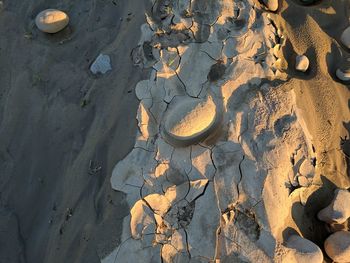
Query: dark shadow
[
  {"x": 305, "y": 217},
  {"x": 290, "y": 55},
  {"x": 345, "y": 145},
  {"x": 289, "y": 231},
  {"x": 307, "y": 2}
]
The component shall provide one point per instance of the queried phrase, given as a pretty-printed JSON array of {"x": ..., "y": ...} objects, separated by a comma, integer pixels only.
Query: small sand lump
[
  {"x": 302, "y": 250},
  {"x": 345, "y": 37},
  {"x": 337, "y": 246},
  {"x": 272, "y": 5},
  {"x": 339, "y": 210},
  {"x": 51, "y": 20},
  {"x": 302, "y": 63}
]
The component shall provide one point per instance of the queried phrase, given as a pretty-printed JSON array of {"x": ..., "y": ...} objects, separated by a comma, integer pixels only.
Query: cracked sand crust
[{"x": 199, "y": 196}]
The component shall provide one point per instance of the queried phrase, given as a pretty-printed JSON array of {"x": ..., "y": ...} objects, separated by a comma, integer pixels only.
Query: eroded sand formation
[{"x": 223, "y": 152}]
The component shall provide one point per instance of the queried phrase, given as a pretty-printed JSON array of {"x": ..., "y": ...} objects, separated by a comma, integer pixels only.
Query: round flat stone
[
  {"x": 302, "y": 63},
  {"x": 337, "y": 246},
  {"x": 51, "y": 20}
]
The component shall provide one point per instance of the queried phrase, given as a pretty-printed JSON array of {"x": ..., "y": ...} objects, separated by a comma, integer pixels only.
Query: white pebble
[
  {"x": 102, "y": 64},
  {"x": 51, "y": 20},
  {"x": 302, "y": 63}
]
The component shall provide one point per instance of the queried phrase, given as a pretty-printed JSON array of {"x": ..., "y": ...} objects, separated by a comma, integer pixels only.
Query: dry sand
[
  {"x": 246, "y": 185},
  {"x": 55, "y": 206}
]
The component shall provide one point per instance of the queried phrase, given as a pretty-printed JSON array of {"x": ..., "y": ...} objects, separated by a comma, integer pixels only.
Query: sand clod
[
  {"x": 272, "y": 5},
  {"x": 302, "y": 63},
  {"x": 302, "y": 251}
]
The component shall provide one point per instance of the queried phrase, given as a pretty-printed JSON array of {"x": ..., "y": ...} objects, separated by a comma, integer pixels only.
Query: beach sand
[{"x": 89, "y": 171}]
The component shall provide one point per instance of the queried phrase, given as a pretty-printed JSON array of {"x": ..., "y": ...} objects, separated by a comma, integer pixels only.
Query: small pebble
[
  {"x": 343, "y": 75},
  {"x": 338, "y": 211},
  {"x": 51, "y": 20},
  {"x": 345, "y": 37},
  {"x": 102, "y": 64},
  {"x": 302, "y": 63},
  {"x": 337, "y": 246}
]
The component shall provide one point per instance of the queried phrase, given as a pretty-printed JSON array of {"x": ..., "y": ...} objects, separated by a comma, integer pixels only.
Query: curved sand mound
[{"x": 191, "y": 120}]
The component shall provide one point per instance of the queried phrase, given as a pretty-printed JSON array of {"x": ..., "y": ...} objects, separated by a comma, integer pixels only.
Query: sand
[
  {"x": 62, "y": 129},
  {"x": 117, "y": 166}
]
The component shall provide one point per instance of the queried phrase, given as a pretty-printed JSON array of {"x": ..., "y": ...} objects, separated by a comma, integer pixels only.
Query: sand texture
[{"x": 175, "y": 131}]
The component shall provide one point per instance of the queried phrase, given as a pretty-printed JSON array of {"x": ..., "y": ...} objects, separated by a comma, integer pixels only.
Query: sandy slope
[{"x": 47, "y": 138}]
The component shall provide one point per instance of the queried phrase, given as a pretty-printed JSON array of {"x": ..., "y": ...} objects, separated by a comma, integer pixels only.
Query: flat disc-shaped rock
[
  {"x": 191, "y": 120},
  {"x": 51, "y": 20},
  {"x": 302, "y": 250},
  {"x": 302, "y": 63}
]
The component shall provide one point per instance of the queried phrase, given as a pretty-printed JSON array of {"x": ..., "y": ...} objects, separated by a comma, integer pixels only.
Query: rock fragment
[
  {"x": 302, "y": 250},
  {"x": 302, "y": 63},
  {"x": 343, "y": 75},
  {"x": 102, "y": 64},
  {"x": 337, "y": 246},
  {"x": 51, "y": 20},
  {"x": 339, "y": 210}
]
